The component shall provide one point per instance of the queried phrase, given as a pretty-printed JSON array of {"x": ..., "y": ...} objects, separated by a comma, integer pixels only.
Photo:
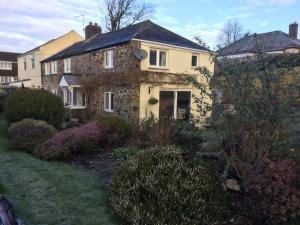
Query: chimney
[
  {"x": 293, "y": 32},
  {"x": 91, "y": 30}
]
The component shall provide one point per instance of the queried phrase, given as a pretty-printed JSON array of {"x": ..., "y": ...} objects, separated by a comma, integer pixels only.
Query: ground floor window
[
  {"x": 108, "y": 101},
  {"x": 175, "y": 105},
  {"x": 73, "y": 97}
]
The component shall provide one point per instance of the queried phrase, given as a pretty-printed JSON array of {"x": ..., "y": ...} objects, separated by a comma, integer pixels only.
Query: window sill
[
  {"x": 107, "y": 68},
  {"x": 108, "y": 111},
  {"x": 158, "y": 68},
  {"x": 74, "y": 107}
]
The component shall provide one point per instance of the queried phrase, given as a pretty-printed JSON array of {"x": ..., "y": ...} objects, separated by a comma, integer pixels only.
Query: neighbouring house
[
  {"x": 8, "y": 67},
  {"x": 139, "y": 70},
  {"x": 29, "y": 68},
  {"x": 275, "y": 42}
]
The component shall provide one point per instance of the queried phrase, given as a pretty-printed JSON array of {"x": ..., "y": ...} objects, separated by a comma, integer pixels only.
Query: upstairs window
[
  {"x": 32, "y": 62},
  {"x": 108, "y": 101},
  {"x": 25, "y": 64},
  {"x": 67, "y": 65},
  {"x": 109, "y": 59},
  {"x": 158, "y": 58},
  {"x": 194, "y": 61},
  {"x": 54, "y": 67},
  {"x": 4, "y": 65},
  {"x": 47, "y": 69}
]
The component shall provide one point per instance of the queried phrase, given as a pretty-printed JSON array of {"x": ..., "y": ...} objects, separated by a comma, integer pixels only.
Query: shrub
[
  {"x": 125, "y": 153},
  {"x": 34, "y": 104},
  {"x": 28, "y": 133},
  {"x": 165, "y": 186},
  {"x": 269, "y": 194},
  {"x": 115, "y": 131},
  {"x": 70, "y": 141}
]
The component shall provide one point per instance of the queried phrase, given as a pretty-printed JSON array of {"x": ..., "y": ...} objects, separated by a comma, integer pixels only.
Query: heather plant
[
  {"x": 28, "y": 133},
  {"x": 164, "y": 185},
  {"x": 269, "y": 195},
  {"x": 36, "y": 104},
  {"x": 70, "y": 141}
]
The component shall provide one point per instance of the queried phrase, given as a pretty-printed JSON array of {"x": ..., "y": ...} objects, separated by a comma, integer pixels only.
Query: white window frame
[
  {"x": 5, "y": 65},
  {"x": 158, "y": 51},
  {"x": 176, "y": 98},
  {"x": 67, "y": 65},
  {"x": 109, "y": 59},
  {"x": 47, "y": 69},
  {"x": 53, "y": 66},
  {"x": 109, "y": 109}
]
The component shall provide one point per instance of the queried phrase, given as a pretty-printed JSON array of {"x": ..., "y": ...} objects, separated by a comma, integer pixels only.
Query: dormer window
[
  {"x": 109, "y": 59},
  {"x": 54, "y": 67},
  {"x": 5, "y": 65},
  {"x": 158, "y": 58},
  {"x": 67, "y": 65}
]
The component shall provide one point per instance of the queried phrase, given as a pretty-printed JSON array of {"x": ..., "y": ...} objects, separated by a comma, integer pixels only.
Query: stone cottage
[{"x": 137, "y": 70}]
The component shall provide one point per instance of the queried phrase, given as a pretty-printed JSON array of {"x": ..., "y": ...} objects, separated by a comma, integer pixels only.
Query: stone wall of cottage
[{"x": 126, "y": 100}]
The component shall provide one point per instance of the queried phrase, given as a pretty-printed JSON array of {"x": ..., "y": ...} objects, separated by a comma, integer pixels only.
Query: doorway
[{"x": 175, "y": 105}]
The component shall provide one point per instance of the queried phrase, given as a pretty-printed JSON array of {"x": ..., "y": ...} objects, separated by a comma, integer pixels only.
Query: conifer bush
[
  {"x": 35, "y": 104},
  {"x": 167, "y": 186}
]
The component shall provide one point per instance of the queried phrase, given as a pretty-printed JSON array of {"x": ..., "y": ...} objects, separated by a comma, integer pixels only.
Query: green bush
[
  {"x": 34, "y": 104},
  {"x": 166, "y": 186},
  {"x": 28, "y": 133},
  {"x": 2, "y": 189},
  {"x": 115, "y": 131}
]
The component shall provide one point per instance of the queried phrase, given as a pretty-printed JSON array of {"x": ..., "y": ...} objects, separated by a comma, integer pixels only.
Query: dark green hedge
[{"x": 34, "y": 104}]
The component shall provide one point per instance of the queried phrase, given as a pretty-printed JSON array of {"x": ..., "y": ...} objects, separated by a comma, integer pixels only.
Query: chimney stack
[
  {"x": 293, "y": 32},
  {"x": 91, "y": 30}
]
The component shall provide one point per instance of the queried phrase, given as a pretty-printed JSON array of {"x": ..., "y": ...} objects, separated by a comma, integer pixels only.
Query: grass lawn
[{"x": 50, "y": 193}]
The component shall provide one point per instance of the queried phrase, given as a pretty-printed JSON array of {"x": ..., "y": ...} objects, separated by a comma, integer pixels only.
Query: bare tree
[
  {"x": 122, "y": 13},
  {"x": 231, "y": 32}
]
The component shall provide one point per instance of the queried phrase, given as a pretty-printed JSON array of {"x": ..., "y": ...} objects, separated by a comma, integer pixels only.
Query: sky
[{"x": 25, "y": 24}]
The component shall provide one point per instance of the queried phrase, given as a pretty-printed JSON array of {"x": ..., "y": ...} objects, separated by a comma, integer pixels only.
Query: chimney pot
[{"x": 293, "y": 30}]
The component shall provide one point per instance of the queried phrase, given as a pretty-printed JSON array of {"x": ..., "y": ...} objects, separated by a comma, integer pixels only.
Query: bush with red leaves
[{"x": 269, "y": 195}]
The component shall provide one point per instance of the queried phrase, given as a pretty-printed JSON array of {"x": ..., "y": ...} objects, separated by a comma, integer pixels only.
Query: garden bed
[{"x": 103, "y": 164}]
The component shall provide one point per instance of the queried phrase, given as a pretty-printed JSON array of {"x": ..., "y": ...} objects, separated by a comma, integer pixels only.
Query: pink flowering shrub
[
  {"x": 269, "y": 193},
  {"x": 70, "y": 141}
]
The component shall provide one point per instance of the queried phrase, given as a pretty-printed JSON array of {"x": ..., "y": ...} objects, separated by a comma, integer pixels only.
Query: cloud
[{"x": 26, "y": 24}]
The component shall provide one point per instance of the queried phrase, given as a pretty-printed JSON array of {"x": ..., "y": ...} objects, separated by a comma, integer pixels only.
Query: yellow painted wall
[
  {"x": 178, "y": 62},
  {"x": 42, "y": 53}
]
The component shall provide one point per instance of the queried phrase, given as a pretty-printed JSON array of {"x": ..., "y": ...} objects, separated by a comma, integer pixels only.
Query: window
[
  {"x": 108, "y": 101},
  {"x": 78, "y": 97},
  {"x": 4, "y": 65},
  {"x": 25, "y": 64},
  {"x": 54, "y": 67},
  {"x": 194, "y": 61},
  {"x": 67, "y": 65},
  {"x": 33, "y": 62},
  {"x": 109, "y": 59},
  {"x": 47, "y": 69},
  {"x": 158, "y": 58}
]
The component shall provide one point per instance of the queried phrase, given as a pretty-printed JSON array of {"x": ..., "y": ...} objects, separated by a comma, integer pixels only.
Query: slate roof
[
  {"x": 11, "y": 57},
  {"x": 267, "y": 42},
  {"x": 72, "y": 79},
  {"x": 146, "y": 30}
]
